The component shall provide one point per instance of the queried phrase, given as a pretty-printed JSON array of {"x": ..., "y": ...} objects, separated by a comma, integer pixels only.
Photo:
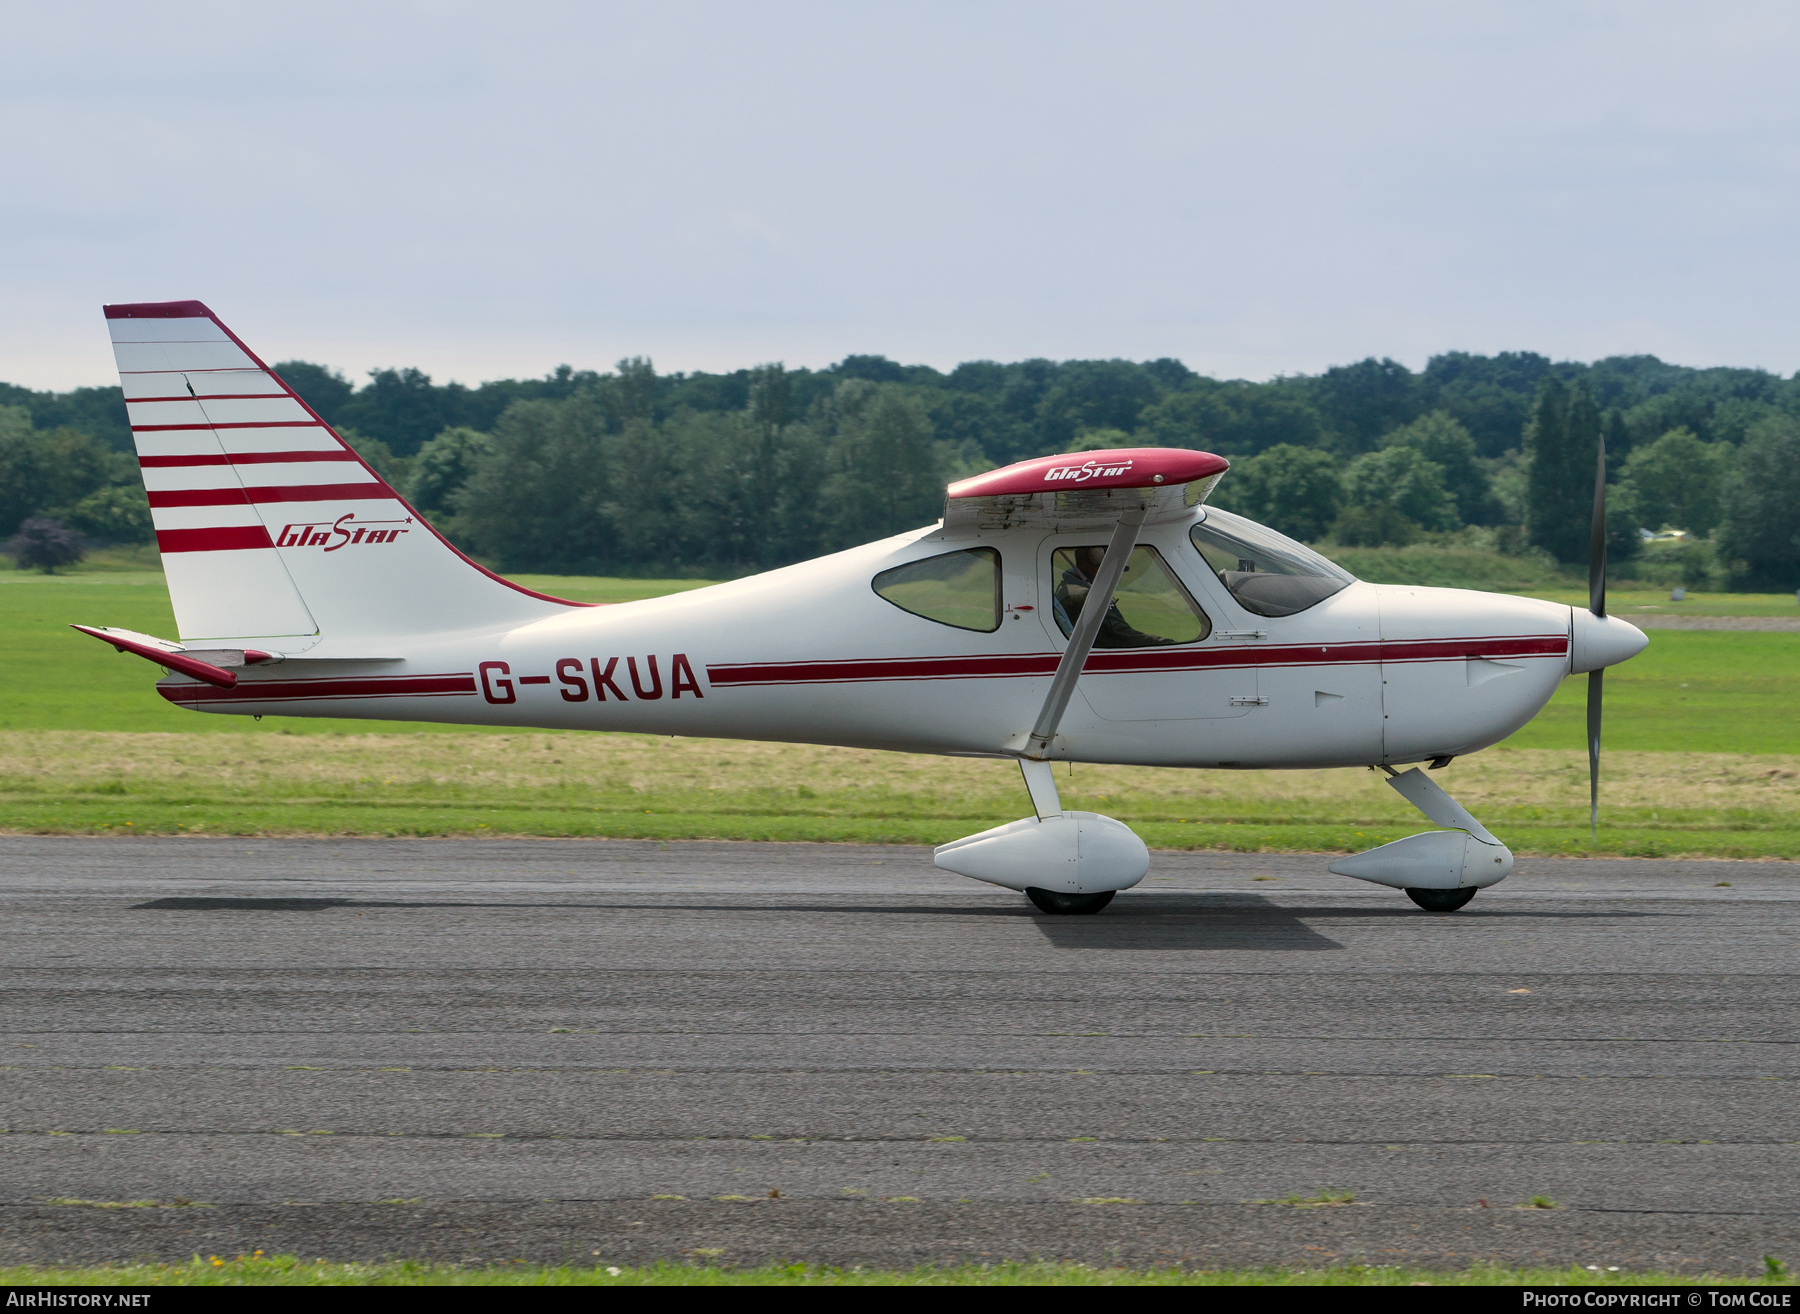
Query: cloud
[{"x": 1254, "y": 189}]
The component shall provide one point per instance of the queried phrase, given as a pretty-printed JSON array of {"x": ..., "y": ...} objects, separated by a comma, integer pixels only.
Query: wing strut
[
  {"x": 1087, "y": 628},
  {"x": 1118, "y": 490}
]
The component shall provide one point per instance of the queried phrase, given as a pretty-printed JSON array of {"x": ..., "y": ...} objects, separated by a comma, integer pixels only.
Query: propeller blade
[
  {"x": 1597, "y": 605},
  {"x": 1595, "y": 688},
  {"x": 1597, "y": 539}
]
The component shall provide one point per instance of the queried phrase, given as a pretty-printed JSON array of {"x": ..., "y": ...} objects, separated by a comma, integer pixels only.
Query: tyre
[
  {"x": 1441, "y": 900},
  {"x": 1051, "y": 902}
]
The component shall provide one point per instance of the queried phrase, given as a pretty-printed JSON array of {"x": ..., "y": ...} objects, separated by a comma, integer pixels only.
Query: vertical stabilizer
[{"x": 270, "y": 525}]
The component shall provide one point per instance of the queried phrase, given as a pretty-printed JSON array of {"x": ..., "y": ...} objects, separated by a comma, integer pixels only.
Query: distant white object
[{"x": 1677, "y": 595}]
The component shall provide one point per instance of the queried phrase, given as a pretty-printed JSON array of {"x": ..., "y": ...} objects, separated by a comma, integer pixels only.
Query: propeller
[{"x": 1597, "y": 605}]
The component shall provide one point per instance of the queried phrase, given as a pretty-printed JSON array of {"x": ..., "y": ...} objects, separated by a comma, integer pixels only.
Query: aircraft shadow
[
  {"x": 208, "y": 903},
  {"x": 1189, "y": 923},
  {"x": 1147, "y": 922},
  {"x": 1198, "y": 922}
]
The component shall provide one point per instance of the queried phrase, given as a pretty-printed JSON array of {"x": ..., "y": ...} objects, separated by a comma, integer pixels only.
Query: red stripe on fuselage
[
  {"x": 252, "y": 690},
  {"x": 1141, "y": 660},
  {"x": 1496, "y": 648}
]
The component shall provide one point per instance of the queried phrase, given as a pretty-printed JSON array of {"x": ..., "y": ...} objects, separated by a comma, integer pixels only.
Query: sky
[{"x": 488, "y": 191}]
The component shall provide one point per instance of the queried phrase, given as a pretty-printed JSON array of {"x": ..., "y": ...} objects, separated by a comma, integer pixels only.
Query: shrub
[
  {"x": 1404, "y": 481},
  {"x": 1675, "y": 483},
  {"x": 1373, "y": 526},
  {"x": 1760, "y": 529},
  {"x": 44, "y": 544},
  {"x": 118, "y": 513},
  {"x": 1295, "y": 490}
]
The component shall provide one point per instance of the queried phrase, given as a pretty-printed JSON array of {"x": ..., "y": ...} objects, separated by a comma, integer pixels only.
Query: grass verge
[
  {"x": 285, "y": 1270},
  {"x": 642, "y": 786}
]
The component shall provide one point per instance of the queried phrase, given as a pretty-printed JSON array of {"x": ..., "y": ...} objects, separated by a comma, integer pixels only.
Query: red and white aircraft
[{"x": 1088, "y": 607}]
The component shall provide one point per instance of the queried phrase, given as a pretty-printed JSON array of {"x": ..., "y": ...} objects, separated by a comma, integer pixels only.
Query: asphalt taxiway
[{"x": 552, "y": 1050}]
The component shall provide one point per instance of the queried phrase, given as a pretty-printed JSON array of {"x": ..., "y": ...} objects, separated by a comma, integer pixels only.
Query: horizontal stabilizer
[
  {"x": 215, "y": 666},
  {"x": 164, "y": 653}
]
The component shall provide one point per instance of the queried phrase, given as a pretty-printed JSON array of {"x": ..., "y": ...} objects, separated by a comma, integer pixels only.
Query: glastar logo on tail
[
  {"x": 1085, "y": 471},
  {"x": 342, "y": 532}
]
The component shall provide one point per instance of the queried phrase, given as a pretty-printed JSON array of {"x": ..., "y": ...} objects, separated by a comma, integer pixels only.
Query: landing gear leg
[
  {"x": 1051, "y": 902},
  {"x": 1439, "y": 870}
]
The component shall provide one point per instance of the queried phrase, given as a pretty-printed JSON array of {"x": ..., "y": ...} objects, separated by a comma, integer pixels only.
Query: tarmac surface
[{"x": 600, "y": 1051}]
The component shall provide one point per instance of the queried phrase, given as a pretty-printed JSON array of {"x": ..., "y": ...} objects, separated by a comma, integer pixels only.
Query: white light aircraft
[{"x": 1087, "y": 608}]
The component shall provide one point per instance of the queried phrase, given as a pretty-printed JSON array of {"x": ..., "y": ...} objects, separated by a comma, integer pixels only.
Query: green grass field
[
  {"x": 1703, "y": 731},
  {"x": 1704, "y": 691},
  {"x": 1629, "y": 602},
  {"x": 59, "y": 679}
]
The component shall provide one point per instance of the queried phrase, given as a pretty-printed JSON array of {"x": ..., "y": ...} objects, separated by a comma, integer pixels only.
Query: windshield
[{"x": 1268, "y": 573}]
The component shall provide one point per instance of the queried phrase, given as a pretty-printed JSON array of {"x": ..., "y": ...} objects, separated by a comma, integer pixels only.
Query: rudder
[{"x": 271, "y": 527}]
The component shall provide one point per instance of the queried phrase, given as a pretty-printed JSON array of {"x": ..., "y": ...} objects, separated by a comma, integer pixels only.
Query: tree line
[{"x": 634, "y": 470}]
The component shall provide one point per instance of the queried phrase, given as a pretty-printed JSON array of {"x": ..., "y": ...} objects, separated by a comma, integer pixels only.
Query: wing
[{"x": 1085, "y": 490}]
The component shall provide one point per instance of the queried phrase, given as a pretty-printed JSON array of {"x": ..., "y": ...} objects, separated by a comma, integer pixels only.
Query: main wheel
[
  {"x": 1051, "y": 902},
  {"x": 1441, "y": 900}
]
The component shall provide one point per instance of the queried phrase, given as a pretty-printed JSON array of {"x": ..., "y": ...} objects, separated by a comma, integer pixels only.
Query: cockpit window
[
  {"x": 958, "y": 588},
  {"x": 1149, "y": 608},
  {"x": 1268, "y": 573}
]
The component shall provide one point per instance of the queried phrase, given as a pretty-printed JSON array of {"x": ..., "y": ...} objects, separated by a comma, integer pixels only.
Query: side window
[
  {"x": 1149, "y": 610},
  {"x": 958, "y": 588}
]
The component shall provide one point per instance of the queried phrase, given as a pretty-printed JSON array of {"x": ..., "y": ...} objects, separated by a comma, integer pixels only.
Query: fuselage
[{"x": 811, "y": 653}]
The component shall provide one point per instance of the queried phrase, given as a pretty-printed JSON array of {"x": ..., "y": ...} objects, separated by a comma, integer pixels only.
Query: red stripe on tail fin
[{"x": 225, "y": 538}]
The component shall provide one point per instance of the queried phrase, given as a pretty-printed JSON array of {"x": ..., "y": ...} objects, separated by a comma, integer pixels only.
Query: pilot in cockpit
[{"x": 1072, "y": 592}]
